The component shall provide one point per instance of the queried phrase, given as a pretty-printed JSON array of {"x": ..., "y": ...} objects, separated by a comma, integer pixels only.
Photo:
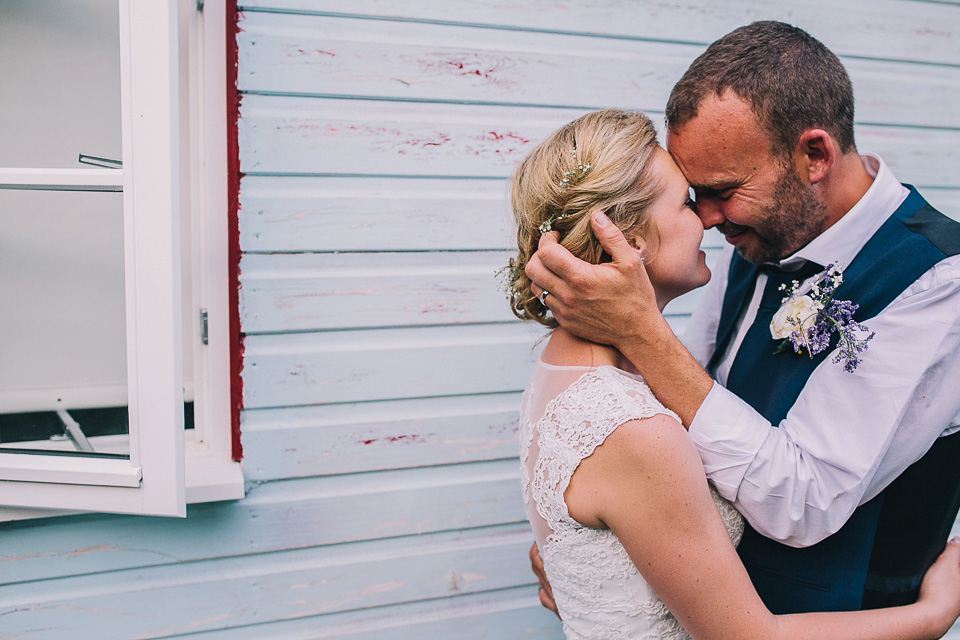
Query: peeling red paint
[
  {"x": 316, "y": 52},
  {"x": 493, "y": 135},
  {"x": 400, "y": 438},
  {"x": 441, "y": 307},
  {"x": 404, "y": 438},
  {"x": 468, "y": 66},
  {"x": 234, "y": 177},
  {"x": 440, "y": 139},
  {"x": 380, "y": 133}
]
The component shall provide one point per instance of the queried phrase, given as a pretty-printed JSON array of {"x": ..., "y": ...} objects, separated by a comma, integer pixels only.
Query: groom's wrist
[{"x": 674, "y": 375}]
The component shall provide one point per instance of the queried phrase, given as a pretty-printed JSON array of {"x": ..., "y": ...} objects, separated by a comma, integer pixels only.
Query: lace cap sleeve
[{"x": 576, "y": 422}]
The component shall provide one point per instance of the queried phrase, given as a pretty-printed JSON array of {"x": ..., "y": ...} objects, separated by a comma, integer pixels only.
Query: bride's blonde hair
[{"x": 618, "y": 146}]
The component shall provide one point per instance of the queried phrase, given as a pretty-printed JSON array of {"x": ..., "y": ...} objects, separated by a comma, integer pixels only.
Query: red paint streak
[
  {"x": 465, "y": 67},
  {"x": 317, "y": 52},
  {"x": 404, "y": 438},
  {"x": 440, "y": 140},
  {"x": 478, "y": 68},
  {"x": 233, "y": 228},
  {"x": 511, "y": 136},
  {"x": 401, "y": 438}
]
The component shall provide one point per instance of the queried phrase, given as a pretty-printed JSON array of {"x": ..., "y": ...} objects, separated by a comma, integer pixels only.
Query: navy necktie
[{"x": 758, "y": 342}]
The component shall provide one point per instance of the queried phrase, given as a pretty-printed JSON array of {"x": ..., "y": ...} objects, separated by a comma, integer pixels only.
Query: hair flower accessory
[
  {"x": 569, "y": 179},
  {"x": 509, "y": 277},
  {"x": 574, "y": 176},
  {"x": 807, "y": 321},
  {"x": 547, "y": 224},
  {"x": 579, "y": 172}
]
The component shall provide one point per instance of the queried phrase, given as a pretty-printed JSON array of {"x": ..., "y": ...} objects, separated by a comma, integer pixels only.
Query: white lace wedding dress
[{"x": 568, "y": 412}]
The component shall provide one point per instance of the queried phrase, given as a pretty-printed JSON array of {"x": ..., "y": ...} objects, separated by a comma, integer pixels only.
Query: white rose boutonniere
[
  {"x": 807, "y": 321},
  {"x": 796, "y": 314}
]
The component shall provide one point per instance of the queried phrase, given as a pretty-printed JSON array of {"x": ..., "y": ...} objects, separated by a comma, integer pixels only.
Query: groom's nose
[{"x": 709, "y": 211}]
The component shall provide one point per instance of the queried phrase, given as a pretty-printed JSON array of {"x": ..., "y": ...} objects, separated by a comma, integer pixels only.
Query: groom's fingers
[
  {"x": 952, "y": 550},
  {"x": 542, "y": 268},
  {"x": 612, "y": 239},
  {"x": 546, "y": 593},
  {"x": 626, "y": 258},
  {"x": 547, "y": 602}
]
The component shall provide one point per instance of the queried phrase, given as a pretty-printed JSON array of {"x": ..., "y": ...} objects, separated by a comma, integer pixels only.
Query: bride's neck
[{"x": 566, "y": 349}]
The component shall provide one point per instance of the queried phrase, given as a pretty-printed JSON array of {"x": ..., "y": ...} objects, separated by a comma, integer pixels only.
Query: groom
[{"x": 850, "y": 481}]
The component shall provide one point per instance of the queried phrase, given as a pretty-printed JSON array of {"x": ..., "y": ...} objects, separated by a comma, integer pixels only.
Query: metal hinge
[
  {"x": 204, "y": 334},
  {"x": 99, "y": 161}
]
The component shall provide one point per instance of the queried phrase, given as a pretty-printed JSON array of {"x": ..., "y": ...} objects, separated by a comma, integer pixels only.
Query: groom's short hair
[{"x": 789, "y": 78}]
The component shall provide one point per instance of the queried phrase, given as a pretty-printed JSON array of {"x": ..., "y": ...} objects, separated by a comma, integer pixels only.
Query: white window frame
[{"x": 174, "y": 158}]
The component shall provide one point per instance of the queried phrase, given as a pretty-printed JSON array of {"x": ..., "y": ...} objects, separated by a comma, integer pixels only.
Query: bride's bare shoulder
[
  {"x": 657, "y": 441},
  {"x": 640, "y": 458}
]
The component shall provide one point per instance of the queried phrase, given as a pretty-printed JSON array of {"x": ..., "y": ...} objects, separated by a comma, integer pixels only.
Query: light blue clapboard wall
[{"x": 382, "y": 369}]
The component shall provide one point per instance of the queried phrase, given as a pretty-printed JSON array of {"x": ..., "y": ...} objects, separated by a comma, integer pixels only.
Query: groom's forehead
[
  {"x": 720, "y": 160},
  {"x": 721, "y": 123}
]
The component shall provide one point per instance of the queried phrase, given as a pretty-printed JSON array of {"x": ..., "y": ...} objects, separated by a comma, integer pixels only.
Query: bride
[{"x": 634, "y": 541}]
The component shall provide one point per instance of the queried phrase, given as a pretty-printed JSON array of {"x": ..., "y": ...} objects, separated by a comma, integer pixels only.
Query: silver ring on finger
[{"x": 543, "y": 297}]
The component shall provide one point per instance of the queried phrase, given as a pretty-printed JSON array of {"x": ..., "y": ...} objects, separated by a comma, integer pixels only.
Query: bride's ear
[
  {"x": 637, "y": 242},
  {"x": 646, "y": 244}
]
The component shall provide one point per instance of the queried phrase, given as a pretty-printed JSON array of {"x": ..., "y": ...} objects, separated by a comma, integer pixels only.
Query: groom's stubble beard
[{"x": 794, "y": 217}]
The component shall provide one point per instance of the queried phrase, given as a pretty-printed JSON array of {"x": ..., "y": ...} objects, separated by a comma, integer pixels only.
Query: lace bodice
[{"x": 567, "y": 413}]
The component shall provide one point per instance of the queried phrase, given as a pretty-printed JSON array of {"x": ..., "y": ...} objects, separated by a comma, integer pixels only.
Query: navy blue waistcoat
[{"x": 879, "y": 556}]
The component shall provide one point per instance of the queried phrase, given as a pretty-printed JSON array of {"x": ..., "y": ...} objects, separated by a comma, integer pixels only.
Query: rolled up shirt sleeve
[{"x": 849, "y": 434}]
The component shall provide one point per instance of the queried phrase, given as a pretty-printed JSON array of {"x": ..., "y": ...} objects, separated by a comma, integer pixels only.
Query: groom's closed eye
[{"x": 720, "y": 193}]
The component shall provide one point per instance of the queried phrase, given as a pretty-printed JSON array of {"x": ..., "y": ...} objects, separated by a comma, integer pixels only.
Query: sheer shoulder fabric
[{"x": 567, "y": 412}]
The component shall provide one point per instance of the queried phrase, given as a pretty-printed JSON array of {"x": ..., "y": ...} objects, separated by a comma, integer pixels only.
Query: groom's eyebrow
[{"x": 719, "y": 183}]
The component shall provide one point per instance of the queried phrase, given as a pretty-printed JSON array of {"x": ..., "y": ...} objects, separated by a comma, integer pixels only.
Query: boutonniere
[{"x": 806, "y": 321}]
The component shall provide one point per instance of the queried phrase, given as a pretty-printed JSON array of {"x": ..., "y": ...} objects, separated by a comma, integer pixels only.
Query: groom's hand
[
  {"x": 604, "y": 303},
  {"x": 546, "y": 593},
  {"x": 940, "y": 590}
]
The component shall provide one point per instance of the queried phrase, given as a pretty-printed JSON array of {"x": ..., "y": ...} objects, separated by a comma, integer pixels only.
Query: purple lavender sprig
[
  {"x": 839, "y": 317},
  {"x": 816, "y": 316}
]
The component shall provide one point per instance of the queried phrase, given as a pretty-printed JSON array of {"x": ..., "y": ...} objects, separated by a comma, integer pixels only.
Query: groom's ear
[{"x": 816, "y": 152}]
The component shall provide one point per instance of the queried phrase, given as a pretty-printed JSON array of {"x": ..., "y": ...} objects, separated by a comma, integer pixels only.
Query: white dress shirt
[{"x": 849, "y": 434}]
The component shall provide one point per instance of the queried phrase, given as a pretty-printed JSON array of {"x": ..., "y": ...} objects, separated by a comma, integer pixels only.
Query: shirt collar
[{"x": 843, "y": 241}]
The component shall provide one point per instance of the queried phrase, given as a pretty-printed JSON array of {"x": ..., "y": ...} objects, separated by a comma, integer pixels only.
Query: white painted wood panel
[
  {"x": 307, "y": 214},
  {"x": 891, "y": 29},
  {"x": 333, "y": 290},
  {"x": 285, "y": 135},
  {"x": 284, "y": 585},
  {"x": 946, "y": 200},
  {"x": 321, "y": 291},
  {"x": 350, "y": 366},
  {"x": 275, "y": 516},
  {"x": 509, "y": 614},
  {"x": 429, "y": 62},
  {"x": 294, "y": 135},
  {"x": 357, "y": 437},
  {"x": 373, "y": 214}
]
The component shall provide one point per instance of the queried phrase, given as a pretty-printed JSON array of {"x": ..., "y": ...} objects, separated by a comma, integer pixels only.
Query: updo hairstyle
[{"x": 619, "y": 146}]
